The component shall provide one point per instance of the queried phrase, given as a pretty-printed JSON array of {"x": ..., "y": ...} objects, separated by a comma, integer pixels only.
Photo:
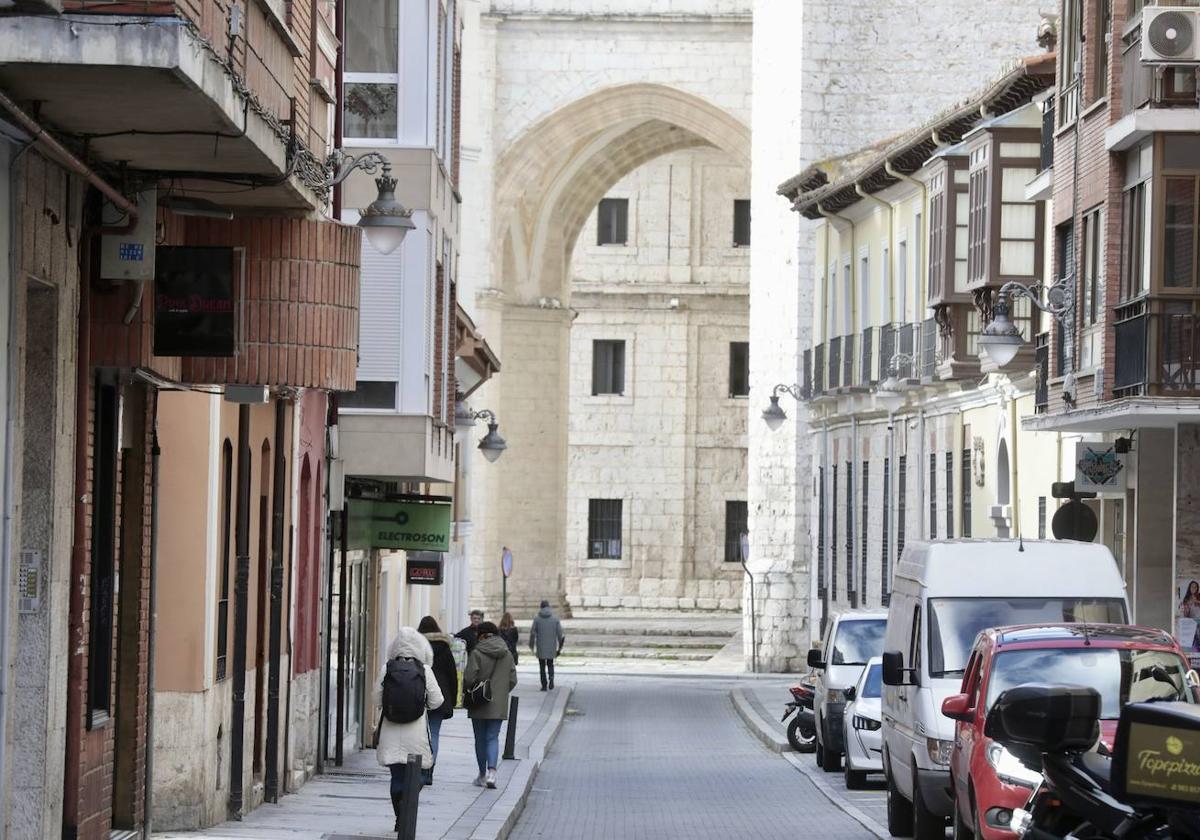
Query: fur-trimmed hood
[
  {"x": 410, "y": 643},
  {"x": 439, "y": 637}
]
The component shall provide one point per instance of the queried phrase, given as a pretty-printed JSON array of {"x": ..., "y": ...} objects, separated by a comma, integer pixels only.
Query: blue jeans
[
  {"x": 487, "y": 743},
  {"x": 435, "y": 732}
]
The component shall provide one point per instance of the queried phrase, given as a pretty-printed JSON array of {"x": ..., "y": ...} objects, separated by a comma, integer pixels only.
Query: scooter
[
  {"x": 1147, "y": 789},
  {"x": 802, "y": 731}
]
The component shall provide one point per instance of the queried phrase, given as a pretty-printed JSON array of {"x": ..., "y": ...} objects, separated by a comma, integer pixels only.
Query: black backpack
[{"x": 404, "y": 690}]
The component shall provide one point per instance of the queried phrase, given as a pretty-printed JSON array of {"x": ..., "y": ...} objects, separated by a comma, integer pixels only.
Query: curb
[
  {"x": 771, "y": 738},
  {"x": 775, "y": 741},
  {"x": 502, "y": 816}
]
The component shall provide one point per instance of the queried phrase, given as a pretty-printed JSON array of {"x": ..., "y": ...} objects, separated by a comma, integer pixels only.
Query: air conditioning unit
[{"x": 1170, "y": 35}]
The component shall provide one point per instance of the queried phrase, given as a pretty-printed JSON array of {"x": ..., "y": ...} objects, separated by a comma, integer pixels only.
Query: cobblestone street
[{"x": 669, "y": 758}]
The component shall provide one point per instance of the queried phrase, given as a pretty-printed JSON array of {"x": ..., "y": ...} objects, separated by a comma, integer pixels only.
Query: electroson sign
[{"x": 419, "y": 524}]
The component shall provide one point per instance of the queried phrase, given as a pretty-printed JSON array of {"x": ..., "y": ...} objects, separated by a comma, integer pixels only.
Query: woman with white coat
[{"x": 396, "y": 741}]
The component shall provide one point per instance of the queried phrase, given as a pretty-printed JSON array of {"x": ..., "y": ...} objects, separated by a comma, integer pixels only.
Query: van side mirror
[
  {"x": 894, "y": 672},
  {"x": 958, "y": 707},
  {"x": 893, "y": 667},
  {"x": 851, "y": 692},
  {"x": 815, "y": 660}
]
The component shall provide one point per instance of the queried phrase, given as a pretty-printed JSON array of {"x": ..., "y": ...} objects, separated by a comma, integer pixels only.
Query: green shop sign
[{"x": 410, "y": 525}]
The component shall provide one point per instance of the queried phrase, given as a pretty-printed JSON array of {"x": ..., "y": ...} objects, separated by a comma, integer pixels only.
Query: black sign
[
  {"x": 423, "y": 569},
  {"x": 1075, "y": 521},
  {"x": 194, "y": 302}
]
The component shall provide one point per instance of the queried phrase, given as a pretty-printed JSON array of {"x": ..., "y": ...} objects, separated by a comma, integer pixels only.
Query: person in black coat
[
  {"x": 510, "y": 634},
  {"x": 446, "y": 673},
  {"x": 469, "y": 634}
]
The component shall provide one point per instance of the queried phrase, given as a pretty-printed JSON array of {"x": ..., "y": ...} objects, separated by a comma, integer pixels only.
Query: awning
[
  {"x": 1119, "y": 415},
  {"x": 475, "y": 362}
]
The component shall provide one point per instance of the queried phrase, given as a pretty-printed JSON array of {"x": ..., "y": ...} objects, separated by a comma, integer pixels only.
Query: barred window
[
  {"x": 1041, "y": 517},
  {"x": 885, "y": 559},
  {"x": 966, "y": 493},
  {"x": 833, "y": 536},
  {"x": 850, "y": 530},
  {"x": 612, "y": 221},
  {"x": 739, "y": 368},
  {"x": 741, "y": 222},
  {"x": 604, "y": 529},
  {"x": 933, "y": 495},
  {"x": 901, "y": 505},
  {"x": 608, "y": 367},
  {"x": 820, "y": 531},
  {"x": 950, "y": 495},
  {"x": 736, "y": 516},
  {"x": 866, "y": 495}
]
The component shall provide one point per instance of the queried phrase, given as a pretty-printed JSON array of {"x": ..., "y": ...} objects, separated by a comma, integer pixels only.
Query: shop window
[
  {"x": 741, "y": 223},
  {"x": 739, "y": 368},
  {"x": 604, "y": 529},
  {"x": 736, "y": 516},
  {"x": 608, "y": 367},
  {"x": 612, "y": 221}
]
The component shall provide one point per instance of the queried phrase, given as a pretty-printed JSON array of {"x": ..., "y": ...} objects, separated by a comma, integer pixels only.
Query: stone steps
[
  {"x": 598, "y": 636},
  {"x": 607, "y": 654},
  {"x": 656, "y": 642}
]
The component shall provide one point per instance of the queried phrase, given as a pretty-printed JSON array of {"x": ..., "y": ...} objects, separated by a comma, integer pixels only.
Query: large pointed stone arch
[{"x": 546, "y": 184}]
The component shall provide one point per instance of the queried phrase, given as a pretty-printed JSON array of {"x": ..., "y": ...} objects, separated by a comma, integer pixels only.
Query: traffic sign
[{"x": 506, "y": 562}]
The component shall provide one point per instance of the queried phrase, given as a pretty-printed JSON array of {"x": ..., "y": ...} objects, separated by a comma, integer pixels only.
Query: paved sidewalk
[
  {"x": 353, "y": 801},
  {"x": 760, "y": 707}
]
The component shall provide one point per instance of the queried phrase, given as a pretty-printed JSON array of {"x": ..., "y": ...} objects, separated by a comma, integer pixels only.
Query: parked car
[
  {"x": 854, "y": 638},
  {"x": 861, "y": 724},
  {"x": 943, "y": 595},
  {"x": 1125, "y": 664}
]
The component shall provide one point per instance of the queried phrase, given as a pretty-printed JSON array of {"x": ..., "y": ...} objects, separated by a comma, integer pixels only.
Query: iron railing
[
  {"x": 1157, "y": 352},
  {"x": 908, "y": 347},
  {"x": 929, "y": 338},
  {"x": 1046, "y": 159},
  {"x": 1178, "y": 348},
  {"x": 887, "y": 349},
  {"x": 1041, "y": 394},
  {"x": 835, "y": 363},
  {"x": 866, "y": 367},
  {"x": 1129, "y": 378},
  {"x": 847, "y": 361},
  {"x": 806, "y": 383},
  {"x": 818, "y": 370},
  {"x": 1137, "y": 79}
]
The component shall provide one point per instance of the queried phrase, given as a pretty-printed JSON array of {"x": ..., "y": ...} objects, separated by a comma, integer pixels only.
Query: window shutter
[
  {"x": 618, "y": 367},
  {"x": 379, "y": 315}
]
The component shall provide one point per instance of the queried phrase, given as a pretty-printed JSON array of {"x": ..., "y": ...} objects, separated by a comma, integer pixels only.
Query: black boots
[{"x": 396, "y": 804}]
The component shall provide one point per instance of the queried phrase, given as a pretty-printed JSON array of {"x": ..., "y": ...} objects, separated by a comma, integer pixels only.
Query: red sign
[{"x": 423, "y": 571}]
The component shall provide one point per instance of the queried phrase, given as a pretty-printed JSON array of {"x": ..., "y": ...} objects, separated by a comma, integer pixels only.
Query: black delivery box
[{"x": 1156, "y": 762}]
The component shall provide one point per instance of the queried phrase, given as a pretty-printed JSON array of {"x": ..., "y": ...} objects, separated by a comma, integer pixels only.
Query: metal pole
[
  {"x": 278, "y": 482},
  {"x": 241, "y": 613},
  {"x": 342, "y": 652},
  {"x": 407, "y": 818},
  {"x": 148, "y": 793},
  {"x": 510, "y": 731},
  {"x": 503, "y": 593}
]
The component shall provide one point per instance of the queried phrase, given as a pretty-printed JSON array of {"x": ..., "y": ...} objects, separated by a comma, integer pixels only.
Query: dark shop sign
[
  {"x": 194, "y": 302},
  {"x": 423, "y": 569}
]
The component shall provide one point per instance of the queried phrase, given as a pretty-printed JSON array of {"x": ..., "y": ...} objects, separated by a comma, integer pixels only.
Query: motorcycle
[
  {"x": 1148, "y": 788},
  {"x": 802, "y": 731}
]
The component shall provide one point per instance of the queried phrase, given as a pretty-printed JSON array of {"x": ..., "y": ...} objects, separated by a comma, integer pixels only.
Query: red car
[{"x": 1124, "y": 663}]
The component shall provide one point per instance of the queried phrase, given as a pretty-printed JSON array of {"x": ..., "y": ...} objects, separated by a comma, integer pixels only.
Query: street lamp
[
  {"x": 1000, "y": 339},
  {"x": 385, "y": 220},
  {"x": 491, "y": 445},
  {"x": 890, "y": 393},
  {"x": 774, "y": 415}
]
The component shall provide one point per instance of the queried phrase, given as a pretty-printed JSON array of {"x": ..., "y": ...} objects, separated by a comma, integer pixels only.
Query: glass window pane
[
  {"x": 371, "y": 110},
  {"x": 372, "y": 36},
  {"x": 1179, "y": 218}
]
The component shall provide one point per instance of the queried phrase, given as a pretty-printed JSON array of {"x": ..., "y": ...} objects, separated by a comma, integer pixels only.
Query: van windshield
[
  {"x": 1121, "y": 676},
  {"x": 955, "y": 622},
  {"x": 858, "y": 641}
]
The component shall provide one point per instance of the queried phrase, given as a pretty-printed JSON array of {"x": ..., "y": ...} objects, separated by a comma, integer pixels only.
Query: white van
[
  {"x": 855, "y": 637},
  {"x": 943, "y": 595}
]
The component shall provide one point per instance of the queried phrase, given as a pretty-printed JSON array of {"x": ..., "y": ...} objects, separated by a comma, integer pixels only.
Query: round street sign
[
  {"x": 1075, "y": 521},
  {"x": 506, "y": 563}
]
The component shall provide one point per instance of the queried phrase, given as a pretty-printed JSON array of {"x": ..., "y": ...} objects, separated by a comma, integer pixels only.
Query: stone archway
[{"x": 546, "y": 184}]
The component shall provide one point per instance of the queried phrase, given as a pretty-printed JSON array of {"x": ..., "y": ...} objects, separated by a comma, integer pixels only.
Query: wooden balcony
[{"x": 1157, "y": 350}]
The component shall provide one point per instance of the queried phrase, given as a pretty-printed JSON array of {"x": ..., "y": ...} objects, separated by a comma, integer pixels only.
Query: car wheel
[
  {"x": 961, "y": 831},
  {"x": 899, "y": 809},
  {"x": 830, "y": 761},
  {"x": 926, "y": 824},
  {"x": 855, "y": 779},
  {"x": 801, "y": 736}
]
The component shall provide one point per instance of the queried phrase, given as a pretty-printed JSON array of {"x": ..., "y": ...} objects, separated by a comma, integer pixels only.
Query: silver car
[{"x": 861, "y": 725}]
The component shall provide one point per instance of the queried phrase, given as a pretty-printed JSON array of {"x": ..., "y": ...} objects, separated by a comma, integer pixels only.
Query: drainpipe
[
  {"x": 853, "y": 524},
  {"x": 326, "y": 666},
  {"x": 891, "y": 208},
  {"x": 829, "y": 537},
  {"x": 908, "y": 179},
  {"x": 339, "y": 70},
  {"x": 343, "y": 649},
  {"x": 271, "y": 771},
  {"x": 148, "y": 793},
  {"x": 240, "y": 613},
  {"x": 1015, "y": 492},
  {"x": 891, "y": 502}
]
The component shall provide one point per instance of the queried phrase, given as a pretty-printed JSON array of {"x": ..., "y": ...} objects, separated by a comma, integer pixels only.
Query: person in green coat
[{"x": 490, "y": 660}]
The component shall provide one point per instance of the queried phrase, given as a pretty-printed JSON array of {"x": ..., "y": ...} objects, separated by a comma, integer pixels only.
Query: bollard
[
  {"x": 407, "y": 819},
  {"x": 510, "y": 732}
]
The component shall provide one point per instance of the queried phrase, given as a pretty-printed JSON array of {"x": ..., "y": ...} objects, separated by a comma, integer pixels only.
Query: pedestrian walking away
[
  {"x": 469, "y": 634},
  {"x": 546, "y": 641},
  {"x": 446, "y": 672},
  {"x": 492, "y": 664},
  {"x": 406, "y": 692},
  {"x": 511, "y": 635}
]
